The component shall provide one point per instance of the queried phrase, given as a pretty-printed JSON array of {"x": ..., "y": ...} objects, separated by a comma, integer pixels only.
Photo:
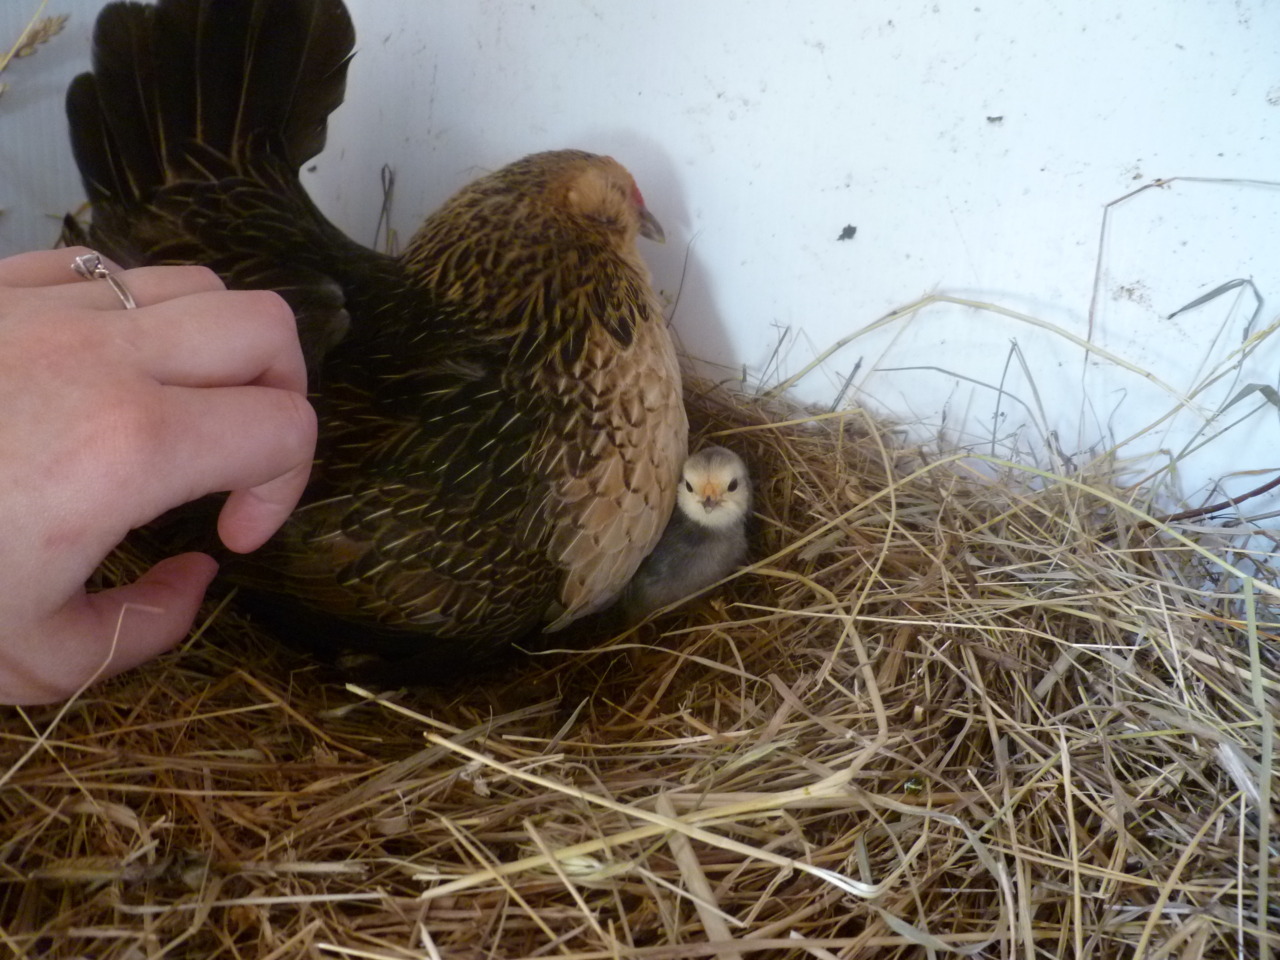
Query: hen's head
[
  {"x": 500, "y": 233},
  {"x": 600, "y": 190}
]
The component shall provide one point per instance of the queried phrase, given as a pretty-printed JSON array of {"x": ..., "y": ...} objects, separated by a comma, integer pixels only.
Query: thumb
[{"x": 97, "y": 635}]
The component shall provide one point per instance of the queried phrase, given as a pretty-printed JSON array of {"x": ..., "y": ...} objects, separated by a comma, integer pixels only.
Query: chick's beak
[
  {"x": 710, "y": 497},
  {"x": 650, "y": 228}
]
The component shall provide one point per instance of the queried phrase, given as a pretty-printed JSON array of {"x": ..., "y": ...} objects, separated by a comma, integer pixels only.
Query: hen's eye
[
  {"x": 733, "y": 485},
  {"x": 688, "y": 486}
]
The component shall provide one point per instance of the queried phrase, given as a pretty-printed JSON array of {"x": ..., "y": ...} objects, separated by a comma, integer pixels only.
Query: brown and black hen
[{"x": 501, "y": 423}]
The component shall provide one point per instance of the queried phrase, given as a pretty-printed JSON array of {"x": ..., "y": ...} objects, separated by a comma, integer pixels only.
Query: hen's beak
[{"x": 650, "y": 228}]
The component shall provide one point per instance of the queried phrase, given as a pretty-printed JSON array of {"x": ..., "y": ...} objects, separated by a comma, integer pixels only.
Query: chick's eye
[
  {"x": 733, "y": 485},
  {"x": 688, "y": 486}
]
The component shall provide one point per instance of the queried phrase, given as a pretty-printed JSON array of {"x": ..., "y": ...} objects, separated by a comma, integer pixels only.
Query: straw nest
[{"x": 941, "y": 714}]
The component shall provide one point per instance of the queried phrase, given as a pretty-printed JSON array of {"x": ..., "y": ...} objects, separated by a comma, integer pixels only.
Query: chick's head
[{"x": 715, "y": 490}]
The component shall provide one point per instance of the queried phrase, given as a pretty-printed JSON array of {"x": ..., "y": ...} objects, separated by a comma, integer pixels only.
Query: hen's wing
[{"x": 423, "y": 516}]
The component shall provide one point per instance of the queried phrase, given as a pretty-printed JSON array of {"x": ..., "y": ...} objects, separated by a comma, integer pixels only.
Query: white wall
[{"x": 759, "y": 130}]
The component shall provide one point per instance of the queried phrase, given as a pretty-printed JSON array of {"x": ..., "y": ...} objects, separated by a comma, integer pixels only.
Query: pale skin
[{"x": 111, "y": 417}]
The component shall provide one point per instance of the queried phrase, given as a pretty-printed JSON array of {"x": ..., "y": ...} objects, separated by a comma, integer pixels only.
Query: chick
[
  {"x": 705, "y": 539},
  {"x": 501, "y": 422}
]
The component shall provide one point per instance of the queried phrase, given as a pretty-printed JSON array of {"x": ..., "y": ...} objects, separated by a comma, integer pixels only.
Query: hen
[{"x": 501, "y": 424}]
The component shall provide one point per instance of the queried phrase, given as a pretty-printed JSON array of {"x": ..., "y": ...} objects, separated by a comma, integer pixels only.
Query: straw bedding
[{"x": 942, "y": 714}]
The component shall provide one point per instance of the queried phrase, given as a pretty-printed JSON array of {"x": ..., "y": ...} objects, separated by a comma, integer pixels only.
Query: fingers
[
  {"x": 44, "y": 268},
  {"x": 196, "y": 332},
  {"x": 99, "y": 635},
  {"x": 219, "y": 339},
  {"x": 202, "y": 393},
  {"x": 147, "y": 286},
  {"x": 50, "y": 274},
  {"x": 250, "y": 517},
  {"x": 254, "y": 440}
]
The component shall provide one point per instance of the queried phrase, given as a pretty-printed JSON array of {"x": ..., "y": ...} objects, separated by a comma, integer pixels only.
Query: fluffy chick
[{"x": 705, "y": 539}]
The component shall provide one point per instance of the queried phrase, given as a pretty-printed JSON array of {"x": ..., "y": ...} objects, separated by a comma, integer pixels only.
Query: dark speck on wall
[
  {"x": 848, "y": 233},
  {"x": 999, "y": 119}
]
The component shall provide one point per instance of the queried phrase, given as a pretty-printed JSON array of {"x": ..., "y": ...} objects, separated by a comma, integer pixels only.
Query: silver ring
[{"x": 90, "y": 266}]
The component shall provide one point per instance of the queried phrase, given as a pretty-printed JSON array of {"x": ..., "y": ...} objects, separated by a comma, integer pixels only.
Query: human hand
[{"x": 110, "y": 418}]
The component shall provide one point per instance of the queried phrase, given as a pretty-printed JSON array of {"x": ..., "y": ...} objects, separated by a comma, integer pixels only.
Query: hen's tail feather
[
  {"x": 115, "y": 149},
  {"x": 101, "y": 168},
  {"x": 184, "y": 78}
]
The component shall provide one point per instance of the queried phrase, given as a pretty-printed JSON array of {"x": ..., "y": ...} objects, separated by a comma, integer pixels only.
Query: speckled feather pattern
[
  {"x": 501, "y": 425},
  {"x": 576, "y": 298}
]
